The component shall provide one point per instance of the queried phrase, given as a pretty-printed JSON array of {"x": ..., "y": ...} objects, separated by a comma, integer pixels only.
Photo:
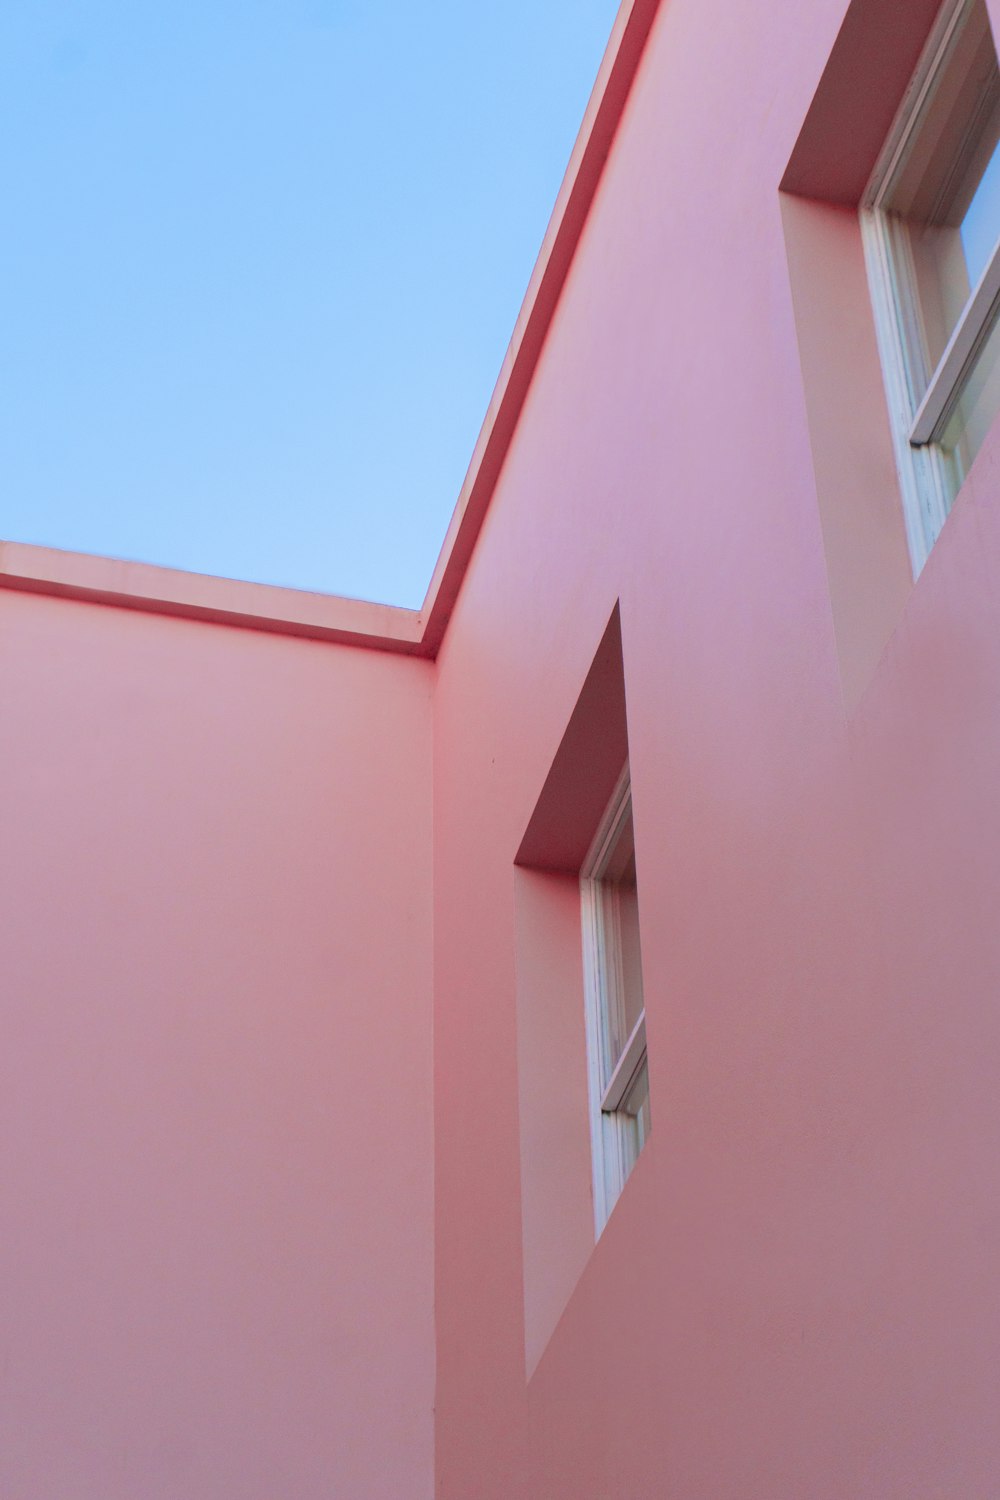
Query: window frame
[
  {"x": 920, "y": 400},
  {"x": 604, "y": 986}
]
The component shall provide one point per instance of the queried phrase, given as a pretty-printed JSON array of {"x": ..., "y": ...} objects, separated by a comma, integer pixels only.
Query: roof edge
[
  {"x": 603, "y": 115},
  {"x": 332, "y": 617},
  {"x": 199, "y": 596}
]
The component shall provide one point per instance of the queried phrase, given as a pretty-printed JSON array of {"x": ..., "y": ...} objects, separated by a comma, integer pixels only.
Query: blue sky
[{"x": 259, "y": 267}]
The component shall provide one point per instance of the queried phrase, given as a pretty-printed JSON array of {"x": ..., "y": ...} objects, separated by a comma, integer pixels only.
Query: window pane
[
  {"x": 976, "y": 409},
  {"x": 981, "y": 225},
  {"x": 946, "y": 198},
  {"x": 635, "y": 1112},
  {"x": 628, "y": 912},
  {"x": 621, "y": 920}
]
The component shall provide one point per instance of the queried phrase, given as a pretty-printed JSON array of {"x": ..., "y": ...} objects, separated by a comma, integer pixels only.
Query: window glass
[
  {"x": 976, "y": 408},
  {"x": 946, "y": 196},
  {"x": 981, "y": 225},
  {"x": 621, "y": 923},
  {"x": 635, "y": 1108}
]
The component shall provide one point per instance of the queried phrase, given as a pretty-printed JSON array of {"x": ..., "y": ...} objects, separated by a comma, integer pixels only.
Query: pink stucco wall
[
  {"x": 215, "y": 1112},
  {"x": 294, "y": 1095},
  {"x": 796, "y": 1294}
]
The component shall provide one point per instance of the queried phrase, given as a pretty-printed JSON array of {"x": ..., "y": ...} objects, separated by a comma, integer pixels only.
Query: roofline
[
  {"x": 198, "y": 596},
  {"x": 331, "y": 617},
  {"x": 605, "y": 108}
]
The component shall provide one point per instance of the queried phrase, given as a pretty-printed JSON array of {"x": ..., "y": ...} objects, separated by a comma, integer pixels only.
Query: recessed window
[
  {"x": 931, "y": 225},
  {"x": 575, "y": 1154},
  {"x": 616, "y": 1016}
]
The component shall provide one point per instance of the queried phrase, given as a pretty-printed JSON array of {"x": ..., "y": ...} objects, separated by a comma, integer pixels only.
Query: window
[
  {"x": 616, "y": 1016},
  {"x": 931, "y": 220},
  {"x": 580, "y": 825}
]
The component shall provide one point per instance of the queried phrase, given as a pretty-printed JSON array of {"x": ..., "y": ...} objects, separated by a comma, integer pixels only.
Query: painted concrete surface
[
  {"x": 215, "y": 1117},
  {"x": 796, "y": 1294},
  {"x": 227, "y": 857}
]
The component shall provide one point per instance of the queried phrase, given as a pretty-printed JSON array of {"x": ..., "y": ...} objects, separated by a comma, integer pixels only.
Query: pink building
[{"x": 546, "y": 1045}]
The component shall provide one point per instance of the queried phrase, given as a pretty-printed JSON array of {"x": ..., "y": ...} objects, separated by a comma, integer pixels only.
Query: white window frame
[
  {"x": 921, "y": 400},
  {"x": 604, "y": 992}
]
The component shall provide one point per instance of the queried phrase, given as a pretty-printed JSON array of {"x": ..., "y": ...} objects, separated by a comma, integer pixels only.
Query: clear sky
[{"x": 260, "y": 261}]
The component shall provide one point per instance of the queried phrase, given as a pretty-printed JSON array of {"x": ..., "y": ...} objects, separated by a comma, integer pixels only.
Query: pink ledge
[{"x": 198, "y": 596}]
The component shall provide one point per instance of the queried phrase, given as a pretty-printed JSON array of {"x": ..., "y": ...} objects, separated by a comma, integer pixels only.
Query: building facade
[{"x": 350, "y": 1148}]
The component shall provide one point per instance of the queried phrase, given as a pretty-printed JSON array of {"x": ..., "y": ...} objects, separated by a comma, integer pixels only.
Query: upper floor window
[
  {"x": 931, "y": 225},
  {"x": 616, "y": 1015}
]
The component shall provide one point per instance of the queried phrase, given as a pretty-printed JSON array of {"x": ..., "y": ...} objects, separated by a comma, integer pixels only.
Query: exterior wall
[
  {"x": 215, "y": 1119},
  {"x": 244, "y": 876},
  {"x": 796, "y": 1293}
]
